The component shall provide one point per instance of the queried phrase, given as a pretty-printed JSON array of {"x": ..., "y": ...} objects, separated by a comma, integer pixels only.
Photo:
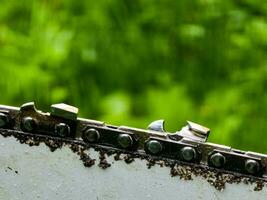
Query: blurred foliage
[{"x": 133, "y": 61}]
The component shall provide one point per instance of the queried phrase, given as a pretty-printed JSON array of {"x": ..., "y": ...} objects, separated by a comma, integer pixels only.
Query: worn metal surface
[{"x": 36, "y": 172}]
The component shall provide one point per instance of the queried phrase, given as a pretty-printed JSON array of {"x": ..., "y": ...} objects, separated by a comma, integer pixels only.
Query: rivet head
[
  {"x": 62, "y": 130},
  {"x": 125, "y": 140},
  {"x": 188, "y": 153},
  {"x": 252, "y": 166},
  {"x": 91, "y": 135},
  {"x": 217, "y": 160},
  {"x": 28, "y": 124},
  {"x": 154, "y": 146},
  {"x": 3, "y": 120}
]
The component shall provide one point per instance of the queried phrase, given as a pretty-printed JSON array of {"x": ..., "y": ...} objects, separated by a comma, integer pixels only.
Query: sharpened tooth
[
  {"x": 157, "y": 125},
  {"x": 198, "y": 128}
]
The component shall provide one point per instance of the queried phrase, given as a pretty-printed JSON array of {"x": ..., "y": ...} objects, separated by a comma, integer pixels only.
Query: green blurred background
[{"x": 133, "y": 61}]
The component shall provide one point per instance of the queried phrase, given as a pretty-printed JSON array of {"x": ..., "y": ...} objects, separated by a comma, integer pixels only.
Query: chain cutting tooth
[
  {"x": 194, "y": 132},
  {"x": 30, "y": 106},
  {"x": 64, "y": 111},
  {"x": 198, "y": 128},
  {"x": 157, "y": 125}
]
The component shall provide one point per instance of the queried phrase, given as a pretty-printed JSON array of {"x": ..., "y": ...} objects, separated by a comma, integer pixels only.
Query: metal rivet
[
  {"x": 125, "y": 140},
  {"x": 28, "y": 124},
  {"x": 91, "y": 135},
  {"x": 188, "y": 153},
  {"x": 252, "y": 166},
  {"x": 217, "y": 160},
  {"x": 154, "y": 146},
  {"x": 3, "y": 120},
  {"x": 62, "y": 129}
]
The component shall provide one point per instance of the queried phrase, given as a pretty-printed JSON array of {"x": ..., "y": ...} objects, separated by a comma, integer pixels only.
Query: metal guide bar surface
[{"x": 187, "y": 145}]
